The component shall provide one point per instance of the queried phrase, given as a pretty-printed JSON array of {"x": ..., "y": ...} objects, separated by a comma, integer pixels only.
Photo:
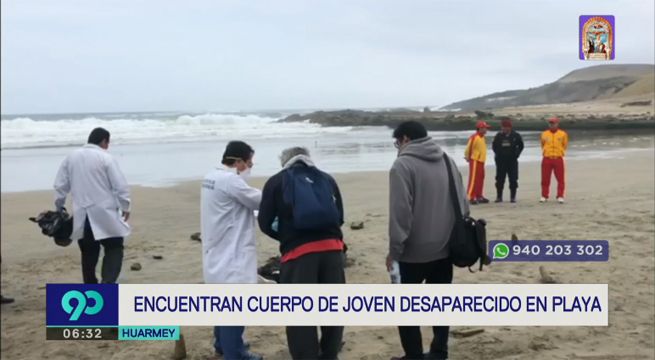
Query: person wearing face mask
[
  {"x": 229, "y": 256},
  {"x": 421, "y": 218},
  {"x": 302, "y": 209}
]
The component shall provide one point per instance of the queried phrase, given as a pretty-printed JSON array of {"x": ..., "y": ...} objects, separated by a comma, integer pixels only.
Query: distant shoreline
[{"x": 442, "y": 121}]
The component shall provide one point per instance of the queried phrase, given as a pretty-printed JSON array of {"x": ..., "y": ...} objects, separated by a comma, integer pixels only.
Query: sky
[{"x": 157, "y": 55}]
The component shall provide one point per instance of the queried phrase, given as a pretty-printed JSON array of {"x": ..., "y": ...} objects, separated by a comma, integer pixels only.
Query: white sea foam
[{"x": 25, "y": 132}]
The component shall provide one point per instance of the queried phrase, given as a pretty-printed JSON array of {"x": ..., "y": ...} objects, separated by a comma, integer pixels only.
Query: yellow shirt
[
  {"x": 554, "y": 144},
  {"x": 476, "y": 149}
]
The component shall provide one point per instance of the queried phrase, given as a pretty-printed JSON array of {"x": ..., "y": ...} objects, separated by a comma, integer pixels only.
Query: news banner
[{"x": 156, "y": 311}]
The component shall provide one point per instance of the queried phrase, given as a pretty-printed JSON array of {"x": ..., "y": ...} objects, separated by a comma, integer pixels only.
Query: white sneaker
[
  {"x": 543, "y": 200},
  {"x": 560, "y": 200}
]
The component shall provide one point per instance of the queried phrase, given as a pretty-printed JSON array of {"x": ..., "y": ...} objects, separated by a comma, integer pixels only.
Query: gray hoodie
[{"x": 421, "y": 214}]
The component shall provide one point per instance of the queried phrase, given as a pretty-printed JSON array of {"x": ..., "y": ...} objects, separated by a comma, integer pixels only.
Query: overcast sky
[{"x": 138, "y": 55}]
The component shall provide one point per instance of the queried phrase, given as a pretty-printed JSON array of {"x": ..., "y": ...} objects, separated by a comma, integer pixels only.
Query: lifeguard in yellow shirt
[
  {"x": 476, "y": 155},
  {"x": 554, "y": 142}
]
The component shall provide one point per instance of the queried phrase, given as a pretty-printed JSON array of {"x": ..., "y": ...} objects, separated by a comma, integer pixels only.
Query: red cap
[
  {"x": 554, "y": 120},
  {"x": 506, "y": 123},
  {"x": 482, "y": 124}
]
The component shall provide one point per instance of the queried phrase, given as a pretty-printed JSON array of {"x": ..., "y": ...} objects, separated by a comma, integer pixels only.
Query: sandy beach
[{"x": 610, "y": 199}]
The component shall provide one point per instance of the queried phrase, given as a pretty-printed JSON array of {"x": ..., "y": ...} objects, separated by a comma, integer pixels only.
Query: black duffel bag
[{"x": 468, "y": 239}]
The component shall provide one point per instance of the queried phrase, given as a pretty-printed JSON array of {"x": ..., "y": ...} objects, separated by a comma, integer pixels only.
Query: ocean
[{"x": 165, "y": 148}]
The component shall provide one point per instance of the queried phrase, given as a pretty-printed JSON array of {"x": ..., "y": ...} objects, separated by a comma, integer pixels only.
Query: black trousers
[
  {"x": 316, "y": 268},
  {"x": 111, "y": 262},
  {"x": 434, "y": 272},
  {"x": 507, "y": 168}
]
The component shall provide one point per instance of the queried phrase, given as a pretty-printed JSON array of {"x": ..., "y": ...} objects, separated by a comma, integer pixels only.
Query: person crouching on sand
[
  {"x": 229, "y": 250},
  {"x": 311, "y": 241}
]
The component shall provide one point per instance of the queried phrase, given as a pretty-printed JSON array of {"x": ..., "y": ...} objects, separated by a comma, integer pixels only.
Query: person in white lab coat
[
  {"x": 229, "y": 253},
  {"x": 101, "y": 205}
]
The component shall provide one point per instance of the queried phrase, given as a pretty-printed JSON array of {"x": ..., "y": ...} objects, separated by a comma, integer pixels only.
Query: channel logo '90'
[{"x": 82, "y": 303}]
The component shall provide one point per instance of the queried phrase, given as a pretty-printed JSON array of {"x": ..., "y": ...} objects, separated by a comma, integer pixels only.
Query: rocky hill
[
  {"x": 599, "y": 82},
  {"x": 597, "y": 97}
]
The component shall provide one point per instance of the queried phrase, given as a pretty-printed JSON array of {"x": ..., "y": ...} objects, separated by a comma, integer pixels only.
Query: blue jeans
[{"x": 229, "y": 341}]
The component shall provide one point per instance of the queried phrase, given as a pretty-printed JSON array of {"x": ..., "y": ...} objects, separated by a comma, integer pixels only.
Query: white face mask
[{"x": 245, "y": 175}]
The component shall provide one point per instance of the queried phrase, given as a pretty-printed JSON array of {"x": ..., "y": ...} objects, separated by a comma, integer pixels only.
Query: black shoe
[
  {"x": 6, "y": 300},
  {"x": 473, "y": 202},
  {"x": 513, "y": 200},
  {"x": 483, "y": 200},
  {"x": 499, "y": 200}
]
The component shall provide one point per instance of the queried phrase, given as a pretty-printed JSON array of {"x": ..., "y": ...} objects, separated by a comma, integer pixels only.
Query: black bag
[
  {"x": 55, "y": 224},
  {"x": 310, "y": 194},
  {"x": 468, "y": 239}
]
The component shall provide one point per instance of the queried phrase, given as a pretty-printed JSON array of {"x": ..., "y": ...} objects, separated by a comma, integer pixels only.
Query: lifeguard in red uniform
[{"x": 554, "y": 142}]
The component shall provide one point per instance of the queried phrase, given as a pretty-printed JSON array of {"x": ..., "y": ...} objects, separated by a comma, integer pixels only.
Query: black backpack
[{"x": 468, "y": 239}]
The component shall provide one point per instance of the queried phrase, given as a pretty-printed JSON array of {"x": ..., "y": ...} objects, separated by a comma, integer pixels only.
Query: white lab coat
[
  {"x": 99, "y": 191},
  {"x": 229, "y": 251}
]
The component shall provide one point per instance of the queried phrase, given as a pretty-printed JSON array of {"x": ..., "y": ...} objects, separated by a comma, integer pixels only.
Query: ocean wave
[{"x": 25, "y": 132}]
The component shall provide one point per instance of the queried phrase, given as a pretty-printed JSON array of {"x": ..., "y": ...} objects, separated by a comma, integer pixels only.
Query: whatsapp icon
[{"x": 501, "y": 251}]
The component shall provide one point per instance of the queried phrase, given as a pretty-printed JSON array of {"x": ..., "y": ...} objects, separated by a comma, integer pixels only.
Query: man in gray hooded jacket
[{"x": 421, "y": 218}]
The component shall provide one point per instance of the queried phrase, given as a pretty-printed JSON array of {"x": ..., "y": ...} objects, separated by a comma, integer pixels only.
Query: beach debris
[
  {"x": 157, "y": 257},
  {"x": 374, "y": 215},
  {"x": 271, "y": 269},
  {"x": 195, "y": 236},
  {"x": 135, "y": 267},
  {"x": 357, "y": 225},
  {"x": 464, "y": 333},
  {"x": 180, "y": 348},
  {"x": 546, "y": 278}
]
